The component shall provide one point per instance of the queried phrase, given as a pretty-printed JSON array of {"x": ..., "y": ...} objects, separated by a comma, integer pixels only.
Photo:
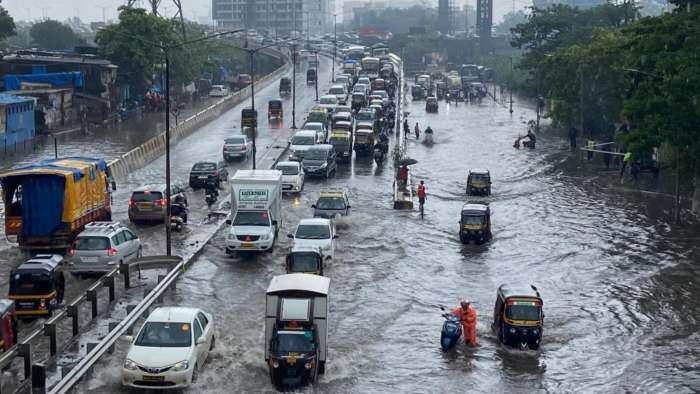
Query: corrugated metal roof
[{"x": 12, "y": 99}]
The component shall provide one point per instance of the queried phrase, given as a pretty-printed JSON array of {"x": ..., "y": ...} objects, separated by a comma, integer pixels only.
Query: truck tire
[{"x": 321, "y": 367}]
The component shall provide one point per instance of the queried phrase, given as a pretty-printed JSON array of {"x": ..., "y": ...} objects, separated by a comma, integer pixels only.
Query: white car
[
  {"x": 218, "y": 91},
  {"x": 292, "y": 176},
  {"x": 315, "y": 233},
  {"x": 320, "y": 130},
  {"x": 328, "y": 101},
  {"x": 301, "y": 142},
  {"x": 170, "y": 349}
]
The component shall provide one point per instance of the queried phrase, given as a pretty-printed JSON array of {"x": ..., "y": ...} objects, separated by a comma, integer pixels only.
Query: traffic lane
[{"x": 109, "y": 377}]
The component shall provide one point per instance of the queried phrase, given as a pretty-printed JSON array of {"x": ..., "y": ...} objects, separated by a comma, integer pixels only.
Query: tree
[
  {"x": 132, "y": 45},
  {"x": 51, "y": 34},
  {"x": 7, "y": 24}
]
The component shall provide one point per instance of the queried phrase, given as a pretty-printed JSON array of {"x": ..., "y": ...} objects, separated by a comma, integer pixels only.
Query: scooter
[
  {"x": 378, "y": 155},
  {"x": 210, "y": 197},
  {"x": 451, "y": 331},
  {"x": 178, "y": 217}
]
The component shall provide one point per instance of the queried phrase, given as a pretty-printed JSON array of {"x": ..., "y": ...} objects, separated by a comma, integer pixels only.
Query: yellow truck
[{"x": 48, "y": 203}]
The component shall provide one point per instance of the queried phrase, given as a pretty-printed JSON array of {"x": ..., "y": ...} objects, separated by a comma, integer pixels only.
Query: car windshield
[
  {"x": 329, "y": 100},
  {"x": 472, "y": 219},
  {"x": 337, "y": 90},
  {"x": 235, "y": 140},
  {"x": 304, "y": 262},
  {"x": 28, "y": 283},
  {"x": 91, "y": 243},
  {"x": 251, "y": 218},
  {"x": 303, "y": 140},
  {"x": 275, "y": 104},
  {"x": 313, "y": 126},
  {"x": 288, "y": 170},
  {"x": 479, "y": 177},
  {"x": 313, "y": 231},
  {"x": 340, "y": 144},
  {"x": 316, "y": 154},
  {"x": 526, "y": 311},
  {"x": 159, "y": 334},
  {"x": 300, "y": 342},
  {"x": 364, "y": 115},
  {"x": 342, "y": 108},
  {"x": 204, "y": 167},
  {"x": 146, "y": 196},
  {"x": 330, "y": 203}
]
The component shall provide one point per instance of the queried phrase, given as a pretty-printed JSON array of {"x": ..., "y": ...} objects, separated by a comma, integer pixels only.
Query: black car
[
  {"x": 320, "y": 160},
  {"x": 204, "y": 169}
]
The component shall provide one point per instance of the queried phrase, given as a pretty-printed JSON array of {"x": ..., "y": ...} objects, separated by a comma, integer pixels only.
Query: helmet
[{"x": 464, "y": 303}]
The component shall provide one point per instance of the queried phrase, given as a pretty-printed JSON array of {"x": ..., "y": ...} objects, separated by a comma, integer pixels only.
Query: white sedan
[
  {"x": 292, "y": 176},
  {"x": 169, "y": 350},
  {"x": 316, "y": 233}
]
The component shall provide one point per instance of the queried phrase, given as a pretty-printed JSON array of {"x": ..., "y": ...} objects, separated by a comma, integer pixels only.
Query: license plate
[
  {"x": 247, "y": 245},
  {"x": 89, "y": 259},
  {"x": 25, "y": 304},
  {"x": 147, "y": 206},
  {"x": 149, "y": 378},
  {"x": 201, "y": 177}
]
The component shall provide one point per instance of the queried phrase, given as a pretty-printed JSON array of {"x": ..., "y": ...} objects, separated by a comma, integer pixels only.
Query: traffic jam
[{"x": 67, "y": 204}]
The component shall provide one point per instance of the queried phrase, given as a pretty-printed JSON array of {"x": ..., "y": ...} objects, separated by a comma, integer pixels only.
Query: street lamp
[
  {"x": 335, "y": 48},
  {"x": 510, "y": 85},
  {"x": 166, "y": 52}
]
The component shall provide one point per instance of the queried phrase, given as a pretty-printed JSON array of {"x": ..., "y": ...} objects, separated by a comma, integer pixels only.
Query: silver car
[
  {"x": 237, "y": 147},
  {"x": 102, "y": 246}
]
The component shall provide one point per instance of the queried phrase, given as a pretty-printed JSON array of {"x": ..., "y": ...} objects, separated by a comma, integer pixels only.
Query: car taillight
[
  {"x": 71, "y": 252},
  {"x": 161, "y": 202},
  {"x": 132, "y": 203},
  {"x": 243, "y": 147},
  {"x": 111, "y": 252},
  {"x": 216, "y": 173}
]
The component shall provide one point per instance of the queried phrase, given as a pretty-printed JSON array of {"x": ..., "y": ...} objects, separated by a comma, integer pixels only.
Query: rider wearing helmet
[{"x": 467, "y": 316}]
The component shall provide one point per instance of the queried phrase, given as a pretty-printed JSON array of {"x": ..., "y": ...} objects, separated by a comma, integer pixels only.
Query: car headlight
[
  {"x": 308, "y": 365},
  {"x": 181, "y": 365},
  {"x": 130, "y": 365},
  {"x": 265, "y": 237},
  {"x": 512, "y": 330},
  {"x": 536, "y": 331},
  {"x": 275, "y": 364},
  {"x": 324, "y": 165}
]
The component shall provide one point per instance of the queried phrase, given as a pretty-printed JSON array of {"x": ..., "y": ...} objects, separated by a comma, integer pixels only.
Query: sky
[{"x": 92, "y": 10}]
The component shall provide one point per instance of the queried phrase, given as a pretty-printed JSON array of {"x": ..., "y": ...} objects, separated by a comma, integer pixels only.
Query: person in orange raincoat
[{"x": 467, "y": 316}]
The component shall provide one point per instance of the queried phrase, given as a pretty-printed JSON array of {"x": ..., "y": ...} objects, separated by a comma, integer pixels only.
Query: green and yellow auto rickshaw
[{"x": 518, "y": 318}]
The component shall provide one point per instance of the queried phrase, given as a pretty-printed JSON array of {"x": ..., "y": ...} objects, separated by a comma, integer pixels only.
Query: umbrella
[{"x": 407, "y": 161}]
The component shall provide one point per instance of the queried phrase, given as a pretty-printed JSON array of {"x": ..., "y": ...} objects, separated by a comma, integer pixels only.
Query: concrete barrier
[{"x": 155, "y": 147}]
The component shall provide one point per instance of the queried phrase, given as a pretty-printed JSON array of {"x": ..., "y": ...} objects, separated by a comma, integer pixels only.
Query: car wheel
[
  {"x": 195, "y": 372},
  {"x": 213, "y": 342}
]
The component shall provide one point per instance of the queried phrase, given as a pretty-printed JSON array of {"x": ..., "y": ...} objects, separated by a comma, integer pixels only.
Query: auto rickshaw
[
  {"x": 274, "y": 110},
  {"x": 364, "y": 140},
  {"x": 8, "y": 325},
  {"x": 285, "y": 87},
  {"x": 359, "y": 100},
  {"x": 306, "y": 260},
  {"x": 431, "y": 105},
  {"x": 311, "y": 76},
  {"x": 479, "y": 182},
  {"x": 475, "y": 223},
  {"x": 37, "y": 286},
  {"x": 378, "y": 84},
  {"x": 518, "y": 319}
]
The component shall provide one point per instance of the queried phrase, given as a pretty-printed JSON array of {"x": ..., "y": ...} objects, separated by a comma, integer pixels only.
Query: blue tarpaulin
[
  {"x": 72, "y": 79},
  {"x": 42, "y": 205}
]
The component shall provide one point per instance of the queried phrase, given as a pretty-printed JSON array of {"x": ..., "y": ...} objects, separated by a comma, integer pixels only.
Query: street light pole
[
  {"x": 252, "y": 100},
  {"x": 168, "y": 230},
  {"x": 316, "y": 78},
  {"x": 294, "y": 86},
  {"x": 335, "y": 48},
  {"x": 510, "y": 85}
]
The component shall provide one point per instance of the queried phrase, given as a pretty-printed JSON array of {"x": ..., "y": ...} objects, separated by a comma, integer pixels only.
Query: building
[
  {"x": 17, "y": 127},
  {"x": 275, "y": 16},
  {"x": 93, "y": 80}
]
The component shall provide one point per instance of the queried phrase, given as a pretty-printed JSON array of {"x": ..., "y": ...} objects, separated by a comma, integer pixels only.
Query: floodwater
[{"x": 619, "y": 283}]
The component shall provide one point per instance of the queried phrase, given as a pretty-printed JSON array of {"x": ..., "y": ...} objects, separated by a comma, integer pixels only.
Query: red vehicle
[{"x": 8, "y": 325}]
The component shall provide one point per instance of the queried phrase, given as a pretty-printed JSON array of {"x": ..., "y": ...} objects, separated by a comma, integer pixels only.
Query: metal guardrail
[{"x": 177, "y": 266}]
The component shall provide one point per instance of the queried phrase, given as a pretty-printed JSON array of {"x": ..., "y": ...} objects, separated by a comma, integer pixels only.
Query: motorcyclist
[
  {"x": 467, "y": 317},
  {"x": 179, "y": 210},
  {"x": 428, "y": 130},
  {"x": 211, "y": 187}
]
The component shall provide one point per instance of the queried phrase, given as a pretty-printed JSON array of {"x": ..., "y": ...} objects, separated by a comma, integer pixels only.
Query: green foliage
[
  {"x": 7, "y": 24},
  {"x": 51, "y": 34},
  {"x": 132, "y": 44}
]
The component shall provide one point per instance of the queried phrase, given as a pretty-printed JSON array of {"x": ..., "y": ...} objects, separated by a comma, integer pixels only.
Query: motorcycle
[
  {"x": 178, "y": 217},
  {"x": 210, "y": 196},
  {"x": 451, "y": 331}
]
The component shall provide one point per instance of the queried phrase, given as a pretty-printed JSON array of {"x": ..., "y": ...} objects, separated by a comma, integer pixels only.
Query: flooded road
[{"x": 618, "y": 282}]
